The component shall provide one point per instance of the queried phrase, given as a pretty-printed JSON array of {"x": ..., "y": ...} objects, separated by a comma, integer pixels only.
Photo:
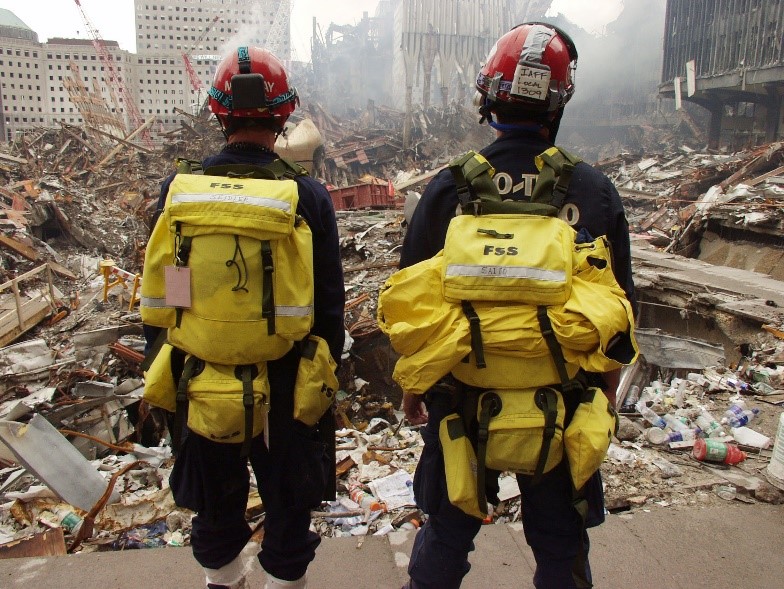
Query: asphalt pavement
[{"x": 728, "y": 545}]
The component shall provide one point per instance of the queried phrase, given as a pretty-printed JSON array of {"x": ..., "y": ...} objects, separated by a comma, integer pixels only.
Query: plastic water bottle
[
  {"x": 749, "y": 437},
  {"x": 674, "y": 423},
  {"x": 632, "y": 396},
  {"x": 650, "y": 416},
  {"x": 364, "y": 500},
  {"x": 709, "y": 426},
  {"x": 656, "y": 435},
  {"x": 738, "y": 416}
]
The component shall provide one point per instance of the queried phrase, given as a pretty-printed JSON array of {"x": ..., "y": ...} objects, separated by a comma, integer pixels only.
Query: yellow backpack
[
  {"x": 228, "y": 269},
  {"x": 228, "y": 274},
  {"x": 514, "y": 306}
]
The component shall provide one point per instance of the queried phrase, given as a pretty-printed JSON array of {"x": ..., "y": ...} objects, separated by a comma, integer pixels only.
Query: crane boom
[
  {"x": 115, "y": 81},
  {"x": 196, "y": 82}
]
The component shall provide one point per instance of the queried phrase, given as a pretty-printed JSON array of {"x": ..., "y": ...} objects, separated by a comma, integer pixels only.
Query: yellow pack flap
[
  {"x": 521, "y": 258},
  {"x": 261, "y": 209}
]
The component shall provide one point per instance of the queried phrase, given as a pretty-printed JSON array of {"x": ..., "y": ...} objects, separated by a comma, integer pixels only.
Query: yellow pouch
[
  {"x": 460, "y": 465},
  {"x": 314, "y": 390},
  {"x": 588, "y": 436},
  {"x": 159, "y": 388},
  {"x": 215, "y": 408},
  {"x": 517, "y": 426},
  {"x": 521, "y": 258}
]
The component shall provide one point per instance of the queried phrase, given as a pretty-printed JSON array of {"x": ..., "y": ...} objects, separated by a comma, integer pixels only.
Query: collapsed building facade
[
  {"x": 728, "y": 57},
  {"x": 414, "y": 51}
]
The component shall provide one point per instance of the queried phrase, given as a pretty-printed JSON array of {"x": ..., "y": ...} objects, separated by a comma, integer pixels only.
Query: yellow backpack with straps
[
  {"x": 513, "y": 307},
  {"x": 228, "y": 274},
  {"x": 229, "y": 266}
]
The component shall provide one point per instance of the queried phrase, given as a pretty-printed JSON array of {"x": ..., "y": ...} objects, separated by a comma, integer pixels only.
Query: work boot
[{"x": 275, "y": 583}]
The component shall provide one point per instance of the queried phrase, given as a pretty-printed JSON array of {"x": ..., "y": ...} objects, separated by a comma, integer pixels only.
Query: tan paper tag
[{"x": 178, "y": 286}]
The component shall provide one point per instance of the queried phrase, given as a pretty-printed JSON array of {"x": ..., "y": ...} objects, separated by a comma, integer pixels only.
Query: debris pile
[
  {"x": 673, "y": 197},
  {"x": 84, "y": 459}
]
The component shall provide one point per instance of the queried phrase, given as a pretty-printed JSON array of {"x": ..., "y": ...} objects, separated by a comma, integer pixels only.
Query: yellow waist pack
[
  {"x": 521, "y": 430},
  {"x": 229, "y": 269},
  {"x": 316, "y": 384},
  {"x": 460, "y": 465},
  {"x": 227, "y": 404},
  {"x": 589, "y": 434}
]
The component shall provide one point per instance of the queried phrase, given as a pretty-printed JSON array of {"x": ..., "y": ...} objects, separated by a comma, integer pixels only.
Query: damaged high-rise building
[
  {"x": 728, "y": 57},
  {"x": 419, "y": 52}
]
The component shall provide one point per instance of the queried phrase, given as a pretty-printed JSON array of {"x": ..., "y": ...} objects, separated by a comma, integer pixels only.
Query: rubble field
[{"x": 84, "y": 462}]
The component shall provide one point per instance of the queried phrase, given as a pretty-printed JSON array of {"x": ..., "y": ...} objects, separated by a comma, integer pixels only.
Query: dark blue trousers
[
  {"x": 212, "y": 479},
  {"x": 552, "y": 526}
]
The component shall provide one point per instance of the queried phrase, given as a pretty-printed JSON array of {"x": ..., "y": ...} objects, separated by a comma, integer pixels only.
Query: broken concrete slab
[{"x": 69, "y": 474}]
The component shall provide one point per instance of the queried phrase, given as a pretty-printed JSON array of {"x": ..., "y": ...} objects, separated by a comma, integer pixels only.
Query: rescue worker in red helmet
[
  {"x": 522, "y": 90},
  {"x": 252, "y": 98}
]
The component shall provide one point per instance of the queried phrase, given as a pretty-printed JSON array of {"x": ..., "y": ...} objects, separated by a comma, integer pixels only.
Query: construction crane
[
  {"x": 196, "y": 82},
  {"x": 115, "y": 81}
]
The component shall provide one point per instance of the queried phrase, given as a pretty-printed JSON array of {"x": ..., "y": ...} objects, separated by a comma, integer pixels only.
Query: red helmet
[
  {"x": 252, "y": 83},
  {"x": 530, "y": 69}
]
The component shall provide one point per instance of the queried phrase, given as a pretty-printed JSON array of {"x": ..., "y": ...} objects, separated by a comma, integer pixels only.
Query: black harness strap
[
  {"x": 568, "y": 384},
  {"x": 182, "y": 257},
  {"x": 477, "y": 346},
  {"x": 181, "y": 411},
  {"x": 491, "y": 405},
  {"x": 464, "y": 193},
  {"x": 547, "y": 401},
  {"x": 149, "y": 358},
  {"x": 267, "y": 295},
  {"x": 246, "y": 374}
]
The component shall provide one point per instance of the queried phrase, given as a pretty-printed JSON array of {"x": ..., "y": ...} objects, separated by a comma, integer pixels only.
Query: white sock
[{"x": 234, "y": 573}]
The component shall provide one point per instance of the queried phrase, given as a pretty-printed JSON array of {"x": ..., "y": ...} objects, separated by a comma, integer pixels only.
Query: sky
[{"x": 114, "y": 19}]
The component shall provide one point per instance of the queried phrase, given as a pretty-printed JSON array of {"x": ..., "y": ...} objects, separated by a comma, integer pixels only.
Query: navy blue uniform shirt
[{"x": 591, "y": 201}]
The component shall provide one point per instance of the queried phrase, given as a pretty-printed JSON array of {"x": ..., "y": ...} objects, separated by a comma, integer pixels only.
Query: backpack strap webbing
[
  {"x": 555, "y": 167},
  {"x": 275, "y": 170},
  {"x": 186, "y": 166},
  {"x": 471, "y": 171},
  {"x": 183, "y": 246},
  {"x": 568, "y": 385},
  {"x": 150, "y": 356},
  {"x": 181, "y": 400},
  {"x": 491, "y": 405},
  {"x": 246, "y": 374},
  {"x": 548, "y": 403},
  {"x": 478, "y": 194},
  {"x": 477, "y": 345},
  {"x": 267, "y": 294}
]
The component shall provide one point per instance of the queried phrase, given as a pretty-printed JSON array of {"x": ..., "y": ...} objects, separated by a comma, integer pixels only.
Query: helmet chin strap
[
  {"x": 555, "y": 124},
  {"x": 511, "y": 127}
]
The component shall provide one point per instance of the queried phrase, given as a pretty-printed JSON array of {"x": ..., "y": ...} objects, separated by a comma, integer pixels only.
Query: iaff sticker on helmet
[{"x": 530, "y": 82}]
